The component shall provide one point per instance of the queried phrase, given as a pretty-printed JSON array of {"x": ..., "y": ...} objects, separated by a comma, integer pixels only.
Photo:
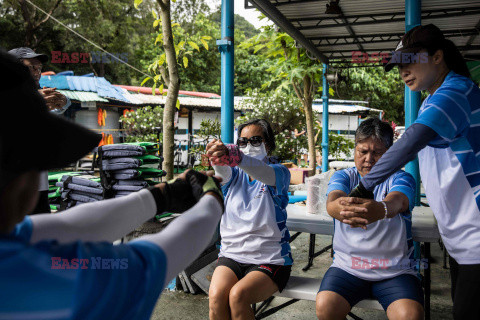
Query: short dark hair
[
  {"x": 376, "y": 128},
  {"x": 267, "y": 132}
]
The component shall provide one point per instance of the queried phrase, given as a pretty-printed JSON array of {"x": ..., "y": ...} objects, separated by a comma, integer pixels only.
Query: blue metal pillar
[
  {"x": 325, "y": 120},
  {"x": 413, "y": 17},
  {"x": 225, "y": 45}
]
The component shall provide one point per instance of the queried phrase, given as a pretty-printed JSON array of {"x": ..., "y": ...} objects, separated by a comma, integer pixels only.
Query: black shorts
[{"x": 279, "y": 274}]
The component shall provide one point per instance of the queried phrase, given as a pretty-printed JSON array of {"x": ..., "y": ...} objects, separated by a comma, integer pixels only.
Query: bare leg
[
  {"x": 255, "y": 287},
  {"x": 330, "y": 305},
  {"x": 222, "y": 282},
  {"x": 404, "y": 309}
]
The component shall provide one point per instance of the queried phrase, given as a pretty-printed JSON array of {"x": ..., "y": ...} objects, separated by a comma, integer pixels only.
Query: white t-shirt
[
  {"x": 253, "y": 227},
  {"x": 385, "y": 249}
]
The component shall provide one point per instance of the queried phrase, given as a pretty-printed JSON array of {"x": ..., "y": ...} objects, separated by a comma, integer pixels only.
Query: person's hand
[
  {"x": 223, "y": 155},
  {"x": 361, "y": 192},
  {"x": 359, "y": 212},
  {"x": 182, "y": 193},
  {"x": 53, "y": 98},
  {"x": 216, "y": 150}
]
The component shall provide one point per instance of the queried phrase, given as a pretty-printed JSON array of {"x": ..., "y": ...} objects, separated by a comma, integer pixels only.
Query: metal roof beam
[
  {"x": 290, "y": 2},
  {"x": 387, "y": 18},
  {"x": 473, "y": 36},
  {"x": 279, "y": 19},
  {"x": 460, "y": 48},
  {"x": 349, "y": 29},
  {"x": 447, "y": 33},
  {"x": 348, "y": 40}
]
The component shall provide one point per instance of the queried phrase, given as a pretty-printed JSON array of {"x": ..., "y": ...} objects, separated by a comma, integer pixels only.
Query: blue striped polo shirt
[
  {"x": 385, "y": 249},
  {"x": 450, "y": 164}
]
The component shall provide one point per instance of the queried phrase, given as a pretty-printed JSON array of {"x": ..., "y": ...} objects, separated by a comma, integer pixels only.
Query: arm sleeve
[
  {"x": 340, "y": 180},
  {"x": 258, "y": 170},
  {"x": 405, "y": 183},
  {"x": 188, "y": 235},
  {"x": 106, "y": 220},
  {"x": 415, "y": 138},
  {"x": 225, "y": 172}
]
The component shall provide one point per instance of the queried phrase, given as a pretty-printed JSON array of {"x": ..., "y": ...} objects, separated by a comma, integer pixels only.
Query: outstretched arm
[
  {"x": 222, "y": 155},
  {"x": 415, "y": 138},
  {"x": 187, "y": 236},
  {"x": 106, "y": 220}
]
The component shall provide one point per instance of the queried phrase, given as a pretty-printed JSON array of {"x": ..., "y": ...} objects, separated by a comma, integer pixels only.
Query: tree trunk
[
  {"x": 173, "y": 88},
  {"x": 309, "y": 117}
]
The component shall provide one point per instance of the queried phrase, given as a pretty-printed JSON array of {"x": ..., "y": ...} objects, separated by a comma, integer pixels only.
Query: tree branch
[{"x": 48, "y": 15}]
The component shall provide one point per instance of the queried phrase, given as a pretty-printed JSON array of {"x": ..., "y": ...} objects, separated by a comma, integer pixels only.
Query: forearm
[
  {"x": 224, "y": 172},
  {"x": 188, "y": 235},
  {"x": 258, "y": 170},
  {"x": 415, "y": 138},
  {"x": 333, "y": 209},
  {"x": 396, "y": 203},
  {"x": 106, "y": 220}
]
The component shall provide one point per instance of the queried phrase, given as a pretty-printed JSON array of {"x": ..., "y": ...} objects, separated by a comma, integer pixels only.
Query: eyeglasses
[
  {"x": 35, "y": 68},
  {"x": 254, "y": 141}
]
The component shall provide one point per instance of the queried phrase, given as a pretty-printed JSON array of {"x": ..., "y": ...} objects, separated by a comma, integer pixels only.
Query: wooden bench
[{"x": 301, "y": 288}]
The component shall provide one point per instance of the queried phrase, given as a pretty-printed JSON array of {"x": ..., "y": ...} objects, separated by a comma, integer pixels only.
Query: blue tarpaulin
[{"x": 91, "y": 84}]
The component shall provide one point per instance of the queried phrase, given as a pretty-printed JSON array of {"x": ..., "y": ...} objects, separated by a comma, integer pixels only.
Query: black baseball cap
[
  {"x": 31, "y": 137},
  {"x": 418, "y": 38},
  {"x": 27, "y": 53}
]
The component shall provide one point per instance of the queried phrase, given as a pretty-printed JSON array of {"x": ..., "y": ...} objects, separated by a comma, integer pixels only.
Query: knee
[
  {"x": 238, "y": 297},
  {"x": 217, "y": 297},
  {"x": 322, "y": 309},
  {"x": 412, "y": 311}
]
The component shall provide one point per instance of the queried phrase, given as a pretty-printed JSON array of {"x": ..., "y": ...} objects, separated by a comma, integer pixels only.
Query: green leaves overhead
[
  {"x": 136, "y": 3},
  {"x": 185, "y": 62}
]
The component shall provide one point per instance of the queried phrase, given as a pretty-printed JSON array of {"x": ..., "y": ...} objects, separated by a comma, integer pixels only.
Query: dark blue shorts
[{"x": 354, "y": 290}]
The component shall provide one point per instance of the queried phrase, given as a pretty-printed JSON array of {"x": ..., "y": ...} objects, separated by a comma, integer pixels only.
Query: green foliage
[
  {"x": 141, "y": 125},
  {"x": 383, "y": 90},
  {"x": 209, "y": 129},
  {"x": 283, "y": 112}
]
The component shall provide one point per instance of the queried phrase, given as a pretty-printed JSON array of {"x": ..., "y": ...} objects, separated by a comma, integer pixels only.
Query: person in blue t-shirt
[
  {"x": 255, "y": 257},
  {"x": 64, "y": 265},
  {"x": 446, "y": 137},
  {"x": 375, "y": 261}
]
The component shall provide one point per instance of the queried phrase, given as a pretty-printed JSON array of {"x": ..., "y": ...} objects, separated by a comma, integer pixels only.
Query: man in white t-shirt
[{"x": 374, "y": 261}]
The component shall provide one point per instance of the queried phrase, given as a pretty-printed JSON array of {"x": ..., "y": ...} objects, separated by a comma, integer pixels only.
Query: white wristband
[{"x": 386, "y": 210}]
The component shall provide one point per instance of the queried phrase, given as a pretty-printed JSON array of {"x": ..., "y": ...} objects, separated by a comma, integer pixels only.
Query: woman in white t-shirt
[{"x": 255, "y": 259}]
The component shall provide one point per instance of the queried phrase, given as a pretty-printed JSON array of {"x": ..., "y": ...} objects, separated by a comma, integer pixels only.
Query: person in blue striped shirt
[
  {"x": 446, "y": 137},
  {"x": 375, "y": 261}
]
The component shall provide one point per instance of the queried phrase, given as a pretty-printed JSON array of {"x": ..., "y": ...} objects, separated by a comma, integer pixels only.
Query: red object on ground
[{"x": 148, "y": 90}]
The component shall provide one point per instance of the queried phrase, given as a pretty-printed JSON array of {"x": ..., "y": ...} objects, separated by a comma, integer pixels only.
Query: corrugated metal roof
[
  {"x": 82, "y": 96},
  {"x": 91, "y": 84},
  {"x": 344, "y": 108},
  {"x": 377, "y": 25},
  {"x": 146, "y": 99}
]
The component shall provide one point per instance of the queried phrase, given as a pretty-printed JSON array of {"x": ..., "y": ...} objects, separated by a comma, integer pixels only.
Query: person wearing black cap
[
  {"x": 64, "y": 266},
  {"x": 446, "y": 137},
  {"x": 56, "y": 102}
]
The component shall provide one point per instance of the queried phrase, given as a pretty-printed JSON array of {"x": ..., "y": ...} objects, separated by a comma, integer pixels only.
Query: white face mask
[{"x": 255, "y": 152}]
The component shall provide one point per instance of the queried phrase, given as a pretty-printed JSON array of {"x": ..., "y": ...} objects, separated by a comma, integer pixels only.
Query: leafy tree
[
  {"x": 291, "y": 68},
  {"x": 382, "y": 90},
  {"x": 283, "y": 112},
  {"x": 142, "y": 124}
]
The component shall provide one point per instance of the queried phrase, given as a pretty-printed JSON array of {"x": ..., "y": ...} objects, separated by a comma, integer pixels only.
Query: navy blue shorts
[{"x": 354, "y": 290}]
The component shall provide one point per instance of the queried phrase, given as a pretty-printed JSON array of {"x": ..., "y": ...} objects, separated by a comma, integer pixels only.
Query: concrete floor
[{"x": 178, "y": 305}]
